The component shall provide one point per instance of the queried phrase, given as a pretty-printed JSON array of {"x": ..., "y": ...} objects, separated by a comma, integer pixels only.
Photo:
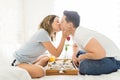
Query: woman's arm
[
  {"x": 57, "y": 51},
  {"x": 94, "y": 50},
  {"x": 52, "y": 49}
]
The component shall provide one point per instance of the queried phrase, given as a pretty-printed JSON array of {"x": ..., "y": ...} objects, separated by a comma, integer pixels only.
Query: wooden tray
[{"x": 61, "y": 70}]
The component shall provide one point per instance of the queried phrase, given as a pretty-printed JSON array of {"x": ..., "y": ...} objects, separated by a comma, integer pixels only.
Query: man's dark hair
[{"x": 72, "y": 16}]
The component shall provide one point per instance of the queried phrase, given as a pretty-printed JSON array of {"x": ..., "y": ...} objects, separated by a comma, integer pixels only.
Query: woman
[{"x": 29, "y": 56}]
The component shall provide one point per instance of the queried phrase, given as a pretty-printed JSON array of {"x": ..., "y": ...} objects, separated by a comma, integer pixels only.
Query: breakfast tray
[{"x": 61, "y": 67}]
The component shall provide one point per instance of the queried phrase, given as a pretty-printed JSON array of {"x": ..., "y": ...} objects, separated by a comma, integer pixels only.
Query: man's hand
[{"x": 75, "y": 61}]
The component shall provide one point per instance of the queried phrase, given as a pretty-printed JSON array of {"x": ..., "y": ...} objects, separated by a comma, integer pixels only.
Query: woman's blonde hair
[{"x": 47, "y": 25}]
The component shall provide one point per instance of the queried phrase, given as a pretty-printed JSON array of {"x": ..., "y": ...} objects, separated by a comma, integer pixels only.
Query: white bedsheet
[
  {"x": 8, "y": 72},
  {"x": 112, "y": 76},
  {"x": 16, "y": 73},
  {"x": 13, "y": 73}
]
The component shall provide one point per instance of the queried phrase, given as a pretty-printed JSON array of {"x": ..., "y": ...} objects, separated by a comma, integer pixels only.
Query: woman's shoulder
[{"x": 42, "y": 31}]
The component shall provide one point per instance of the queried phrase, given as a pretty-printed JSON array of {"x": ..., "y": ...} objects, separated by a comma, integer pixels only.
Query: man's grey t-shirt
[{"x": 33, "y": 48}]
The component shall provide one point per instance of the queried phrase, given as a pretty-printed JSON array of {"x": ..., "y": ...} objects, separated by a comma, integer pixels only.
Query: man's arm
[
  {"x": 74, "y": 58},
  {"x": 94, "y": 50}
]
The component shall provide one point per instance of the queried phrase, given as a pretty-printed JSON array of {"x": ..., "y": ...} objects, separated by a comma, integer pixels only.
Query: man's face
[{"x": 64, "y": 23}]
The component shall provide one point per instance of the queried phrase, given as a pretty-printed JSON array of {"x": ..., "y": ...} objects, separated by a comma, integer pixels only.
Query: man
[{"x": 93, "y": 52}]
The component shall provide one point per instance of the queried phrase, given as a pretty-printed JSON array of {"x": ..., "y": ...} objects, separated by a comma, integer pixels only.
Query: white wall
[
  {"x": 35, "y": 11},
  {"x": 19, "y": 19},
  {"x": 100, "y": 15},
  {"x": 11, "y": 26},
  {"x": 118, "y": 20}
]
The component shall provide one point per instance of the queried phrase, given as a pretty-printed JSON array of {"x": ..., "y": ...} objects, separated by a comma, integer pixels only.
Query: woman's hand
[{"x": 66, "y": 32}]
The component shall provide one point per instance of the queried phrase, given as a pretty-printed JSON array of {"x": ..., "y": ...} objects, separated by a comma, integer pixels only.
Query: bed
[
  {"x": 15, "y": 73},
  {"x": 8, "y": 72},
  {"x": 111, "y": 76}
]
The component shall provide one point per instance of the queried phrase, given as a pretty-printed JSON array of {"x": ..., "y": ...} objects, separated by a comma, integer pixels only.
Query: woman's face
[{"x": 56, "y": 25}]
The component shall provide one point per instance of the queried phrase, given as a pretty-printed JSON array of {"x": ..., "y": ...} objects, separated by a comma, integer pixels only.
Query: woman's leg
[
  {"x": 42, "y": 60},
  {"x": 35, "y": 71},
  {"x": 97, "y": 67}
]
